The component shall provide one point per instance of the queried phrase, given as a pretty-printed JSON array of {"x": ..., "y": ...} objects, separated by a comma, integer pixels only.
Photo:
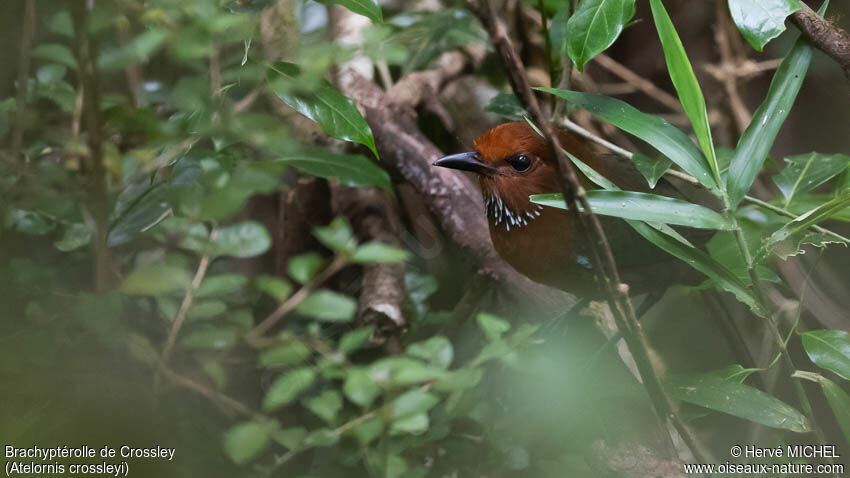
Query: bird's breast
[{"x": 543, "y": 248}]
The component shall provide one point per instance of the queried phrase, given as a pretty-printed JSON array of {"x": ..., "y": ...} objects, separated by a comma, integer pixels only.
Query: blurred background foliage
[{"x": 151, "y": 298}]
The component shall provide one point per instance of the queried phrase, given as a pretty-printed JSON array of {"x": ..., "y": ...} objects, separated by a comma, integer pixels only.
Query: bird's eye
[{"x": 520, "y": 162}]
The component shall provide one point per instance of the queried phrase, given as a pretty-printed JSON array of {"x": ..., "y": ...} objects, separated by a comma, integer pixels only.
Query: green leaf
[
  {"x": 798, "y": 226},
  {"x": 75, "y": 236},
  {"x": 139, "y": 50},
  {"x": 507, "y": 106},
  {"x": 321, "y": 437},
  {"x": 329, "y": 306},
  {"x": 284, "y": 355},
  {"x": 287, "y": 387},
  {"x": 349, "y": 169},
  {"x": 737, "y": 399},
  {"x": 355, "y": 339},
  {"x": 290, "y": 438},
  {"x": 685, "y": 81},
  {"x": 660, "y": 134},
  {"x": 435, "y": 351},
  {"x": 335, "y": 113},
  {"x": 244, "y": 239},
  {"x": 246, "y": 441},
  {"x": 221, "y": 284},
  {"x": 759, "y": 136},
  {"x": 829, "y": 349},
  {"x": 652, "y": 169},
  {"x": 595, "y": 26},
  {"x": 274, "y": 286},
  {"x": 56, "y": 53},
  {"x": 303, "y": 267},
  {"x": 643, "y": 207},
  {"x": 211, "y": 337},
  {"x": 761, "y": 20},
  {"x": 156, "y": 278},
  {"x": 413, "y": 402},
  {"x": 700, "y": 261},
  {"x": 326, "y": 405},
  {"x": 492, "y": 326},
  {"x": 336, "y": 236},
  {"x": 837, "y": 398},
  {"x": 368, "y": 8},
  {"x": 207, "y": 309},
  {"x": 360, "y": 388},
  {"x": 373, "y": 252},
  {"x": 808, "y": 171}
]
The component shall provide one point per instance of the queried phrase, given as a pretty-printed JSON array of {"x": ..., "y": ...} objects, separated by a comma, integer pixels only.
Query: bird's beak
[{"x": 467, "y": 162}]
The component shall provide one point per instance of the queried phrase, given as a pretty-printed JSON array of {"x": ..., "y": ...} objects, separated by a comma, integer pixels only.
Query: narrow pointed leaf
[
  {"x": 663, "y": 136},
  {"x": 652, "y": 169},
  {"x": 594, "y": 26},
  {"x": 839, "y": 402},
  {"x": 737, "y": 399},
  {"x": 808, "y": 171},
  {"x": 643, "y": 207},
  {"x": 329, "y": 108},
  {"x": 349, "y": 169},
  {"x": 759, "y": 136},
  {"x": 685, "y": 81},
  {"x": 760, "y": 21},
  {"x": 829, "y": 349}
]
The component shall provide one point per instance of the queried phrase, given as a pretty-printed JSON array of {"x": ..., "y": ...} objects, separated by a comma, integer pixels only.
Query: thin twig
[
  {"x": 211, "y": 394},
  {"x": 182, "y": 312},
  {"x": 639, "y": 82},
  {"x": 24, "y": 61},
  {"x": 292, "y": 302}
]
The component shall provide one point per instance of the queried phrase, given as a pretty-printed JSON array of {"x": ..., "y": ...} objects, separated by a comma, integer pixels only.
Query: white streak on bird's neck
[{"x": 500, "y": 214}]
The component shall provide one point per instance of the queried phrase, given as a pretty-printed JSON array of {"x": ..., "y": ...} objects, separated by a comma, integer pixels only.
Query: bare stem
[{"x": 24, "y": 61}]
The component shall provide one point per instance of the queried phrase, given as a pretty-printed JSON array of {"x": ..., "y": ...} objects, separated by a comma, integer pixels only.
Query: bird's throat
[{"x": 501, "y": 215}]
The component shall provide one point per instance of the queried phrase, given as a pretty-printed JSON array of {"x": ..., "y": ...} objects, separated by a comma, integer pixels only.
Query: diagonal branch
[{"x": 824, "y": 35}]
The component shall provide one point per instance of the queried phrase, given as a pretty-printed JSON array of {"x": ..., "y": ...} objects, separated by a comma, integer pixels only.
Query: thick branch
[{"x": 827, "y": 37}]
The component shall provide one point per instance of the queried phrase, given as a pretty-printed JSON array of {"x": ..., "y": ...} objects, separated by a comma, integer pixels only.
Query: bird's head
[{"x": 511, "y": 163}]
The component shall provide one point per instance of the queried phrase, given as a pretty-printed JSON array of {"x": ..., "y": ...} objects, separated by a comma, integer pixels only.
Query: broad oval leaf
[
  {"x": 244, "y": 239},
  {"x": 246, "y": 441},
  {"x": 737, "y": 399},
  {"x": 349, "y": 169},
  {"x": 644, "y": 207},
  {"x": 374, "y": 251},
  {"x": 594, "y": 26},
  {"x": 287, "y": 387},
  {"x": 758, "y": 138},
  {"x": 761, "y": 20},
  {"x": 156, "y": 278},
  {"x": 329, "y": 108},
  {"x": 328, "y": 306},
  {"x": 368, "y": 8},
  {"x": 808, "y": 171},
  {"x": 663, "y": 136},
  {"x": 829, "y": 349},
  {"x": 685, "y": 81}
]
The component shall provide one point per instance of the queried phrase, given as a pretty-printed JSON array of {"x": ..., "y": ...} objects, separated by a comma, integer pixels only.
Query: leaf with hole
[{"x": 805, "y": 172}]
